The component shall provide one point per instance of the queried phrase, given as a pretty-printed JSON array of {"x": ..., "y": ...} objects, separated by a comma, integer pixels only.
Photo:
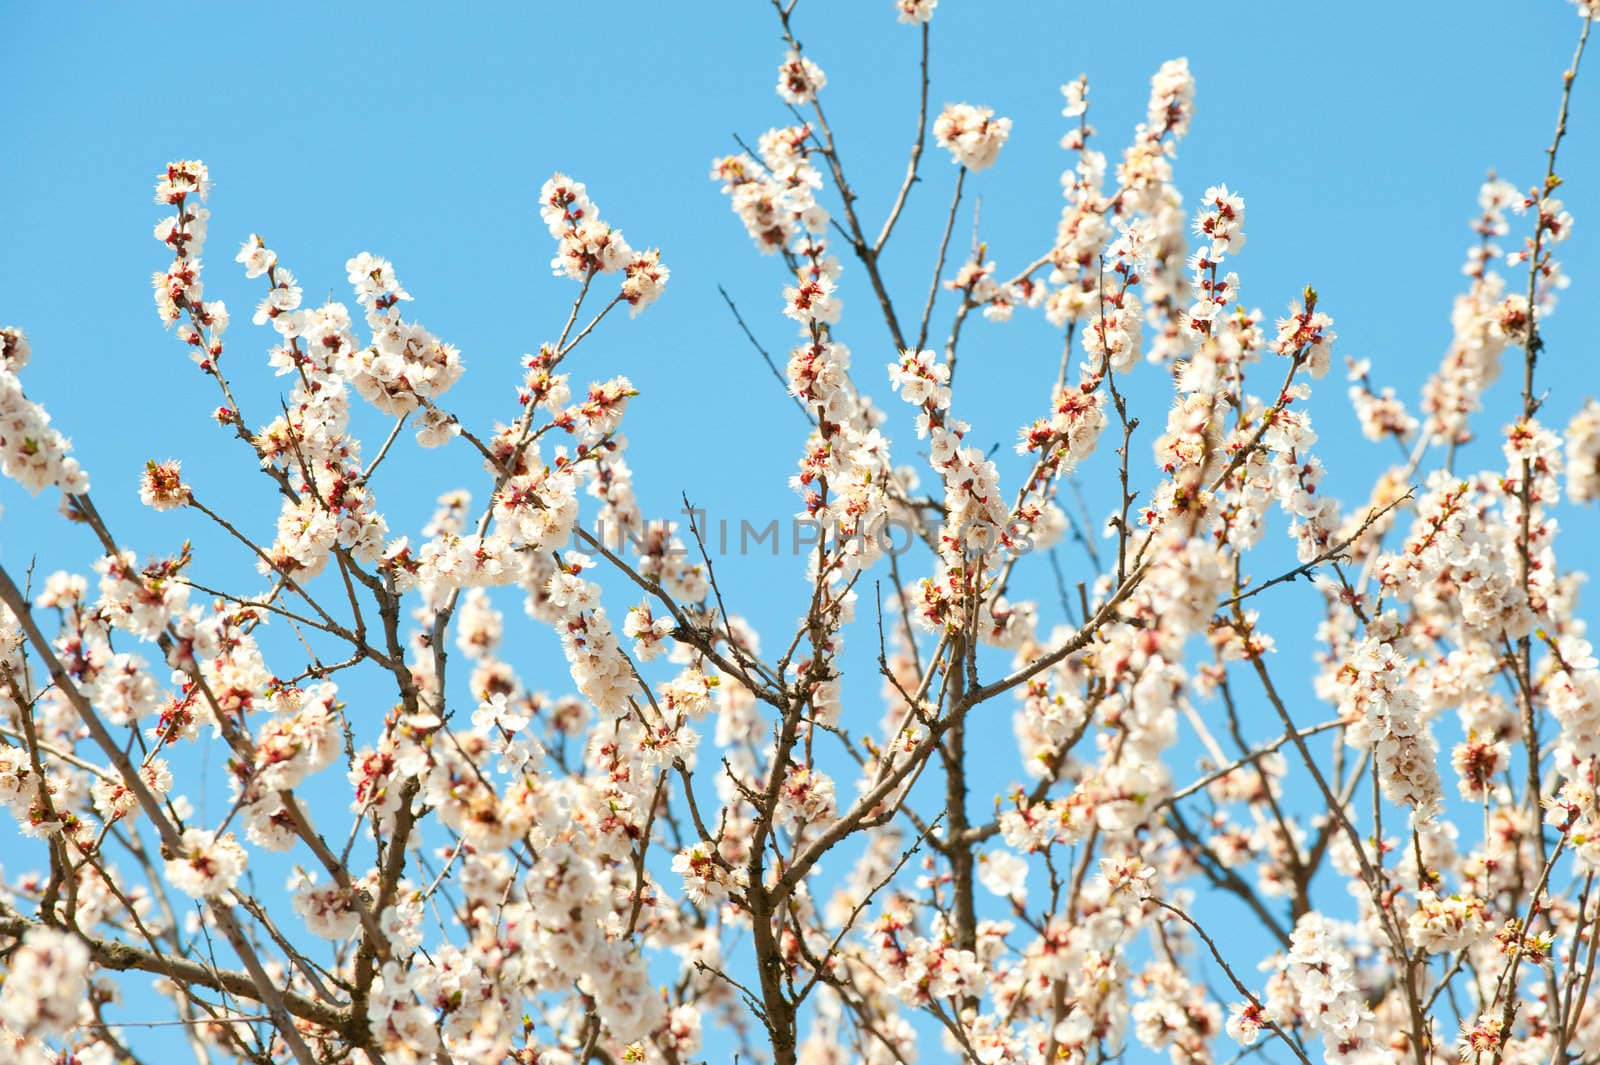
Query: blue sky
[{"x": 1358, "y": 139}]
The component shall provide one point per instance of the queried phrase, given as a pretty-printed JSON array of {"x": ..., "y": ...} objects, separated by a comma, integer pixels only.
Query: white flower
[
  {"x": 972, "y": 135},
  {"x": 799, "y": 79},
  {"x": 1244, "y": 1022},
  {"x": 915, "y": 11},
  {"x": 329, "y": 912},
  {"x": 161, "y": 486},
  {"x": 208, "y": 866},
  {"x": 811, "y": 301},
  {"x": 1004, "y": 873},
  {"x": 499, "y": 713}
]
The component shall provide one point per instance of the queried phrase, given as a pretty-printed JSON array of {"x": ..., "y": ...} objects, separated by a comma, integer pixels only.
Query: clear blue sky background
[{"x": 1358, "y": 135}]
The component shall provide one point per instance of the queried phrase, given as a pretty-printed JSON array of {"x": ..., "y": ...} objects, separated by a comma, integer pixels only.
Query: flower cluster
[
  {"x": 1583, "y": 454},
  {"x": 179, "y": 289},
  {"x": 1384, "y": 712},
  {"x": 977, "y": 523},
  {"x": 333, "y": 510},
  {"x": 1382, "y": 414},
  {"x": 31, "y": 452},
  {"x": 1447, "y": 925},
  {"x": 46, "y": 988},
  {"x": 1322, "y": 992},
  {"x": 587, "y": 246},
  {"x": 405, "y": 365},
  {"x": 1486, "y": 320},
  {"x": 776, "y": 199}
]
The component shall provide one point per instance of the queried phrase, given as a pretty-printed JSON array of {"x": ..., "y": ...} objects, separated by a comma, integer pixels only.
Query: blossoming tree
[{"x": 635, "y": 870}]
